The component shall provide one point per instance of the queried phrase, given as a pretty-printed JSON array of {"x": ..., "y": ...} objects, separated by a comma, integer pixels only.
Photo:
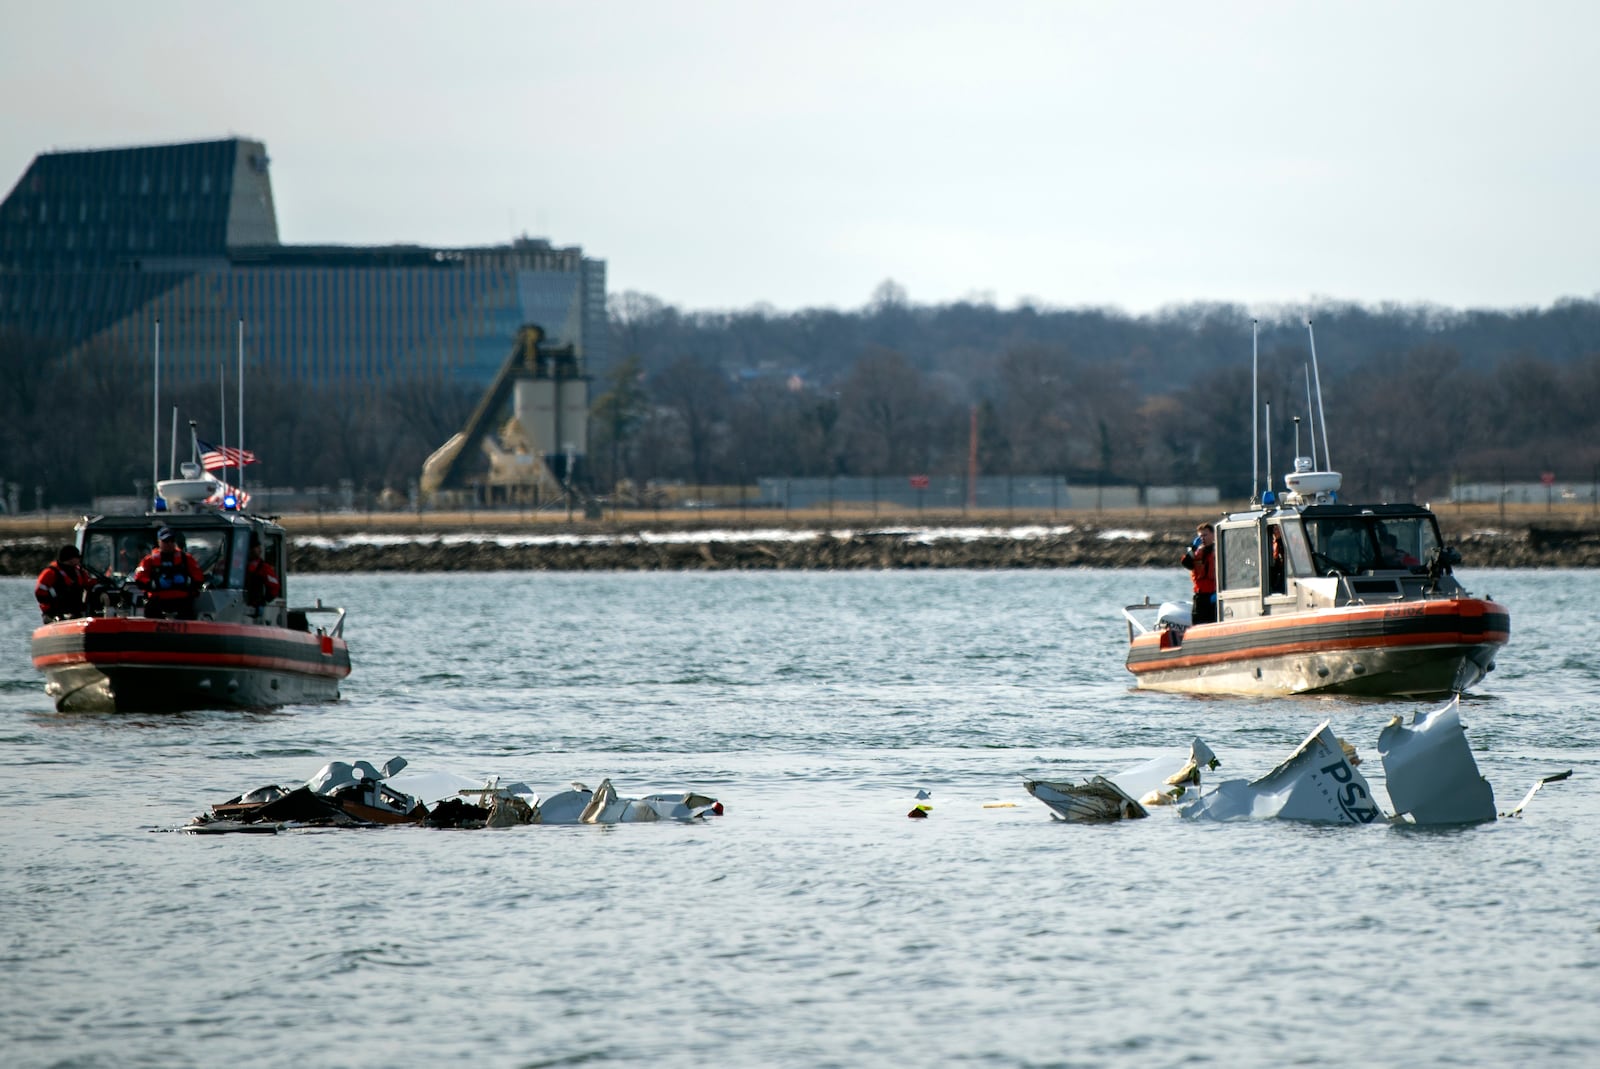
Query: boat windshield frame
[
  {"x": 113, "y": 546},
  {"x": 1361, "y": 541}
]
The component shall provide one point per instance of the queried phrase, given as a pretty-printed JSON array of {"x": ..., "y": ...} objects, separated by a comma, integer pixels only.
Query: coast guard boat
[
  {"x": 1318, "y": 596},
  {"x": 231, "y": 655}
]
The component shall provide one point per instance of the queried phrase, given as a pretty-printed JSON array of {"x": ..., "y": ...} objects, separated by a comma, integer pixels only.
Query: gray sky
[{"x": 723, "y": 154}]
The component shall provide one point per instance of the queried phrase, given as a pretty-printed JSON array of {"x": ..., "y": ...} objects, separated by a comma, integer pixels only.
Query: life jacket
[
  {"x": 170, "y": 578},
  {"x": 1204, "y": 570},
  {"x": 61, "y": 588}
]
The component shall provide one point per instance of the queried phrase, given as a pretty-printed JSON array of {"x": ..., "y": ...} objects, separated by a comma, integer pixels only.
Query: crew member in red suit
[
  {"x": 260, "y": 580},
  {"x": 1275, "y": 571},
  {"x": 170, "y": 577},
  {"x": 64, "y": 586},
  {"x": 1201, "y": 560},
  {"x": 1390, "y": 555}
]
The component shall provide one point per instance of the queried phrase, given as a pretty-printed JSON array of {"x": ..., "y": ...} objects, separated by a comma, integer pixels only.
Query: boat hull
[
  {"x": 1407, "y": 649},
  {"x": 136, "y": 665}
]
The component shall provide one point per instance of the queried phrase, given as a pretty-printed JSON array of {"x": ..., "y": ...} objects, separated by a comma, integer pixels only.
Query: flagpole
[
  {"x": 155, "y": 421},
  {"x": 241, "y": 410},
  {"x": 222, "y": 406}
]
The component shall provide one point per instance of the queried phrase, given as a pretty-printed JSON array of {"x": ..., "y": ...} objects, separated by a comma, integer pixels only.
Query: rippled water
[{"x": 813, "y": 925}]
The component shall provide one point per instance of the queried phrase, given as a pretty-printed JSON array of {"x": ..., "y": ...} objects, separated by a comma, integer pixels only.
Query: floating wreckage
[
  {"x": 1430, "y": 774},
  {"x": 1128, "y": 794},
  {"x": 357, "y": 795},
  {"x": 923, "y": 807}
]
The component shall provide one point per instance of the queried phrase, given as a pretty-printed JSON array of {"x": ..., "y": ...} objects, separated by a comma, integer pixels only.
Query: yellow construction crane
[{"x": 536, "y": 455}]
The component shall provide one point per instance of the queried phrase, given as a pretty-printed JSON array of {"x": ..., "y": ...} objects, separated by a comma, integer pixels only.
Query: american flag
[
  {"x": 221, "y": 492},
  {"x": 213, "y": 458}
]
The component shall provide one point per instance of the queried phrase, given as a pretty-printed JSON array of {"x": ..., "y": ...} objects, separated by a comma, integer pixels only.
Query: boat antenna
[
  {"x": 172, "y": 453},
  {"x": 1255, "y": 406},
  {"x": 194, "y": 444},
  {"x": 1327, "y": 457},
  {"x": 155, "y": 420},
  {"x": 1269, "y": 445},
  {"x": 1310, "y": 415},
  {"x": 1297, "y": 439}
]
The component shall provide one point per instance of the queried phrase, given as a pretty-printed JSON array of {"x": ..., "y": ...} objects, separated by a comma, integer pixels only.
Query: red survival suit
[
  {"x": 1202, "y": 564},
  {"x": 63, "y": 587},
  {"x": 260, "y": 583},
  {"x": 172, "y": 579}
]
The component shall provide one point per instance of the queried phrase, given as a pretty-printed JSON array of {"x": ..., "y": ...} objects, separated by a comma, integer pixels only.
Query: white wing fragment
[{"x": 1432, "y": 776}]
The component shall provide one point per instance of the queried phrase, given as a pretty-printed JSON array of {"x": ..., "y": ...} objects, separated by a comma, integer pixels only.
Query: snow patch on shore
[{"x": 910, "y": 534}]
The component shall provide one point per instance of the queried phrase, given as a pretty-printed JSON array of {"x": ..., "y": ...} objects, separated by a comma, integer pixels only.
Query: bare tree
[
  {"x": 893, "y": 420},
  {"x": 695, "y": 394},
  {"x": 618, "y": 414}
]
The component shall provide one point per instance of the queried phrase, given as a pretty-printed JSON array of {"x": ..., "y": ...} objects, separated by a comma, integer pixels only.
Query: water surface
[{"x": 814, "y": 924}]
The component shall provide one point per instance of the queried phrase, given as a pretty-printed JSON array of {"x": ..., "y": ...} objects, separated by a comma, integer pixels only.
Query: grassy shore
[{"x": 1454, "y": 519}]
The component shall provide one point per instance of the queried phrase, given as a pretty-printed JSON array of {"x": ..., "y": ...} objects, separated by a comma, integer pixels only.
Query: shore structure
[{"x": 99, "y": 245}]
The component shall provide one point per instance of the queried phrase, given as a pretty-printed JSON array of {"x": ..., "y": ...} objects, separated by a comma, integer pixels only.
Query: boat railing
[
  {"x": 1136, "y": 626},
  {"x": 304, "y": 612}
]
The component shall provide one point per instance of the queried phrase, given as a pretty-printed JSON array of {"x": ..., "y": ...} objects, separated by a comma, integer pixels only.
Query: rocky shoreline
[
  {"x": 1081, "y": 547},
  {"x": 586, "y": 549}
]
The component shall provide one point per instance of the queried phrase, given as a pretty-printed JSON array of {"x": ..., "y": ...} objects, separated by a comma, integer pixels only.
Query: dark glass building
[{"x": 97, "y": 246}]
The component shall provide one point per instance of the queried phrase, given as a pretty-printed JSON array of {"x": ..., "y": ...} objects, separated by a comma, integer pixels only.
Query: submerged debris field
[{"x": 1432, "y": 779}]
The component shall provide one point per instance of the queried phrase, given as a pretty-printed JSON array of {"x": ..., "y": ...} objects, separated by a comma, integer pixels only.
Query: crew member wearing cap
[
  {"x": 64, "y": 586},
  {"x": 170, "y": 577}
]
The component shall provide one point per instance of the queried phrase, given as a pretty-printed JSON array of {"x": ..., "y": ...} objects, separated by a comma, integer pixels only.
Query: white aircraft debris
[
  {"x": 1319, "y": 782},
  {"x": 1429, "y": 772},
  {"x": 1432, "y": 777},
  {"x": 1520, "y": 806},
  {"x": 1125, "y": 795}
]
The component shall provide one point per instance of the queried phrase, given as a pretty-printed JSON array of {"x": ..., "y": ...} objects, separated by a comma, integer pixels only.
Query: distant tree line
[
  {"x": 79, "y": 424},
  {"x": 1415, "y": 397}
]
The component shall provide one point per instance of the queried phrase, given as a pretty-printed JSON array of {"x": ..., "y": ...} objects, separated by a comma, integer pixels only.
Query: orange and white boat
[
  {"x": 230, "y": 654},
  {"x": 1335, "y": 617},
  {"x": 1314, "y": 595}
]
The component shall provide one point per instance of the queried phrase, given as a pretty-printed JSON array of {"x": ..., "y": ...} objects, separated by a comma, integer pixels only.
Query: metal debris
[
  {"x": 1430, "y": 774},
  {"x": 359, "y": 795}
]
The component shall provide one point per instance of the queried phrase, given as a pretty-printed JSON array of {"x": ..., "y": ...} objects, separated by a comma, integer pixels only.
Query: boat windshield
[
  {"x": 1354, "y": 544},
  {"x": 118, "y": 553},
  {"x": 210, "y": 551}
]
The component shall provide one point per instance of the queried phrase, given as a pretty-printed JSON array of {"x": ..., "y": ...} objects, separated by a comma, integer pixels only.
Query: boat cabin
[
  {"x": 1299, "y": 557},
  {"x": 219, "y": 541}
]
